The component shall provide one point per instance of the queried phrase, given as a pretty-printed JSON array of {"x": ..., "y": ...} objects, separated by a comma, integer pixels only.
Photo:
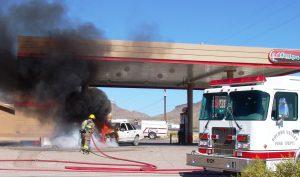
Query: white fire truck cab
[{"x": 248, "y": 118}]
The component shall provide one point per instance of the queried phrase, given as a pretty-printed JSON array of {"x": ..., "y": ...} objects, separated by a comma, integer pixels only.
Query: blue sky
[
  {"x": 149, "y": 101},
  {"x": 268, "y": 23}
]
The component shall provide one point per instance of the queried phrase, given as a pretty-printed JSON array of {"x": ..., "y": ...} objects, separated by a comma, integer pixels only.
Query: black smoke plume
[{"x": 54, "y": 85}]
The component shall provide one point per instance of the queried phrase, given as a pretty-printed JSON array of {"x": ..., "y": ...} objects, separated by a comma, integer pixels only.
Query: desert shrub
[
  {"x": 287, "y": 169},
  {"x": 258, "y": 168}
]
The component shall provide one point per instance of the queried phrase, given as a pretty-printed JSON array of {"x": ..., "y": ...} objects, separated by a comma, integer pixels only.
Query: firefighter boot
[{"x": 85, "y": 149}]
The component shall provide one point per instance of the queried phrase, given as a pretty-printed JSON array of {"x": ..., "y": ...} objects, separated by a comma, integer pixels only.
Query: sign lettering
[
  {"x": 285, "y": 138},
  {"x": 280, "y": 56}
]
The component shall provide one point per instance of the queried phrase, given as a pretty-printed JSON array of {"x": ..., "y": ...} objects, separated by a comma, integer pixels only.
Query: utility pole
[{"x": 165, "y": 105}]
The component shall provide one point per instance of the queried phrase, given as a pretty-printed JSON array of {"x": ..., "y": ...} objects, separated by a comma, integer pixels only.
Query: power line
[
  {"x": 150, "y": 105},
  {"x": 278, "y": 25},
  {"x": 251, "y": 25}
]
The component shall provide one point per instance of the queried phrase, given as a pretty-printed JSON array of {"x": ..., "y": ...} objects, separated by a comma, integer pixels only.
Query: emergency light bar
[{"x": 239, "y": 81}]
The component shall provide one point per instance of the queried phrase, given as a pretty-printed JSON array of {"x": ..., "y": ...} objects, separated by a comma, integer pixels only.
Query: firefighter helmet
[{"x": 92, "y": 116}]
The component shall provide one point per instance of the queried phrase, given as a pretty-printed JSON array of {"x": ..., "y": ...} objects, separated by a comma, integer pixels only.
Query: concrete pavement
[{"x": 163, "y": 156}]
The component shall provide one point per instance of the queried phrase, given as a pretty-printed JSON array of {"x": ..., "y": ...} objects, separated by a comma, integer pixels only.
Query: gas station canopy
[{"x": 168, "y": 65}]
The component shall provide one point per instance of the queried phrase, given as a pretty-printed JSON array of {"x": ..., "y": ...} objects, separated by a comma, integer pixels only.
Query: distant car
[{"x": 126, "y": 132}]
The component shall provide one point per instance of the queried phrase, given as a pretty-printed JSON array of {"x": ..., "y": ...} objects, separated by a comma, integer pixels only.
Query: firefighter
[{"x": 87, "y": 130}]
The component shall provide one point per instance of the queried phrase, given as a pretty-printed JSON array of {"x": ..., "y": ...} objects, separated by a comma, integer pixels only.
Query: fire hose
[{"x": 133, "y": 167}]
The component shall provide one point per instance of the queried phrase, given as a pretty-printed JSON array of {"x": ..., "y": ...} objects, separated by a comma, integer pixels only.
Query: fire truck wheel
[
  {"x": 152, "y": 135},
  {"x": 136, "y": 140}
]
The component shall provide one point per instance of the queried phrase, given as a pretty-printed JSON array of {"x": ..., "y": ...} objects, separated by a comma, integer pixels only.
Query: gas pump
[{"x": 182, "y": 133}]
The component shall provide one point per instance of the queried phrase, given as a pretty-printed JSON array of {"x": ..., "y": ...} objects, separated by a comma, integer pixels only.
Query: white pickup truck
[{"x": 126, "y": 132}]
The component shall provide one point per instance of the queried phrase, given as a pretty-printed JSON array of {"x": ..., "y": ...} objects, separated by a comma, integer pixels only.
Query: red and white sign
[{"x": 280, "y": 56}]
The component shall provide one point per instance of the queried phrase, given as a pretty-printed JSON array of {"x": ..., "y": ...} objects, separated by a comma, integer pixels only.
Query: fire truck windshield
[
  {"x": 239, "y": 105},
  {"x": 214, "y": 106},
  {"x": 248, "y": 105}
]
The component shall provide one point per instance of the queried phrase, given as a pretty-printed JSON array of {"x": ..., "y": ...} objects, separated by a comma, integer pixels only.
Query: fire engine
[{"x": 248, "y": 118}]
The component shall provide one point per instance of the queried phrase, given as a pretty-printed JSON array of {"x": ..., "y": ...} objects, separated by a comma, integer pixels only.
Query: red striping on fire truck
[{"x": 243, "y": 119}]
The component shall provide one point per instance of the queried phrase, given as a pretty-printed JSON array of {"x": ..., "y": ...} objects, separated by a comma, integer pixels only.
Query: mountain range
[{"x": 173, "y": 116}]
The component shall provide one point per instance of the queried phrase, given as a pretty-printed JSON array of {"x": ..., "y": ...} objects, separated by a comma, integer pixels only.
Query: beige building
[{"x": 17, "y": 127}]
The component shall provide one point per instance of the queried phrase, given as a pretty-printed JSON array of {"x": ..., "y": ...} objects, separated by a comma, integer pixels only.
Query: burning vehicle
[{"x": 124, "y": 132}]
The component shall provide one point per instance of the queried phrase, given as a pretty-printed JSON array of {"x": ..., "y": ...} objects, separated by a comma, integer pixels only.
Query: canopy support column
[
  {"x": 230, "y": 73},
  {"x": 189, "y": 131}
]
